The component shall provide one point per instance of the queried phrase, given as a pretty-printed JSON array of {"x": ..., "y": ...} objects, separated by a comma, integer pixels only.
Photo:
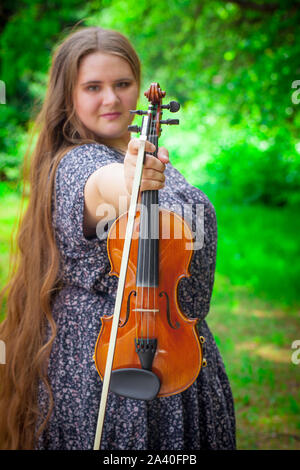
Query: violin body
[{"x": 152, "y": 314}]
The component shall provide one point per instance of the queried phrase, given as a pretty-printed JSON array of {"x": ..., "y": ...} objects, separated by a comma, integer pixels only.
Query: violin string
[
  {"x": 156, "y": 234},
  {"x": 155, "y": 261},
  {"x": 152, "y": 243},
  {"x": 153, "y": 255},
  {"x": 149, "y": 262},
  {"x": 142, "y": 241},
  {"x": 135, "y": 313},
  {"x": 143, "y": 276},
  {"x": 140, "y": 288},
  {"x": 149, "y": 236},
  {"x": 147, "y": 197},
  {"x": 148, "y": 241},
  {"x": 136, "y": 302},
  {"x": 139, "y": 300}
]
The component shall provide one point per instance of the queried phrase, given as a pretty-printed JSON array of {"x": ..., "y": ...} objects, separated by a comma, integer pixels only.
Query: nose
[{"x": 109, "y": 96}]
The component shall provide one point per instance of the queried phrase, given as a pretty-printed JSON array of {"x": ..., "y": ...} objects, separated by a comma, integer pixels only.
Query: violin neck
[{"x": 148, "y": 256}]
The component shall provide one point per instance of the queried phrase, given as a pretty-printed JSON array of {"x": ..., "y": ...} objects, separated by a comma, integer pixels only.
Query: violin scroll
[{"x": 155, "y": 95}]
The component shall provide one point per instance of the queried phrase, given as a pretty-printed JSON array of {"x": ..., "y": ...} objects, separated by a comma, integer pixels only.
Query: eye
[
  {"x": 123, "y": 84},
  {"x": 93, "y": 88}
]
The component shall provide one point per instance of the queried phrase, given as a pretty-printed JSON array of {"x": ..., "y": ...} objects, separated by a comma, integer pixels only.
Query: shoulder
[
  {"x": 81, "y": 161},
  {"x": 87, "y": 154}
]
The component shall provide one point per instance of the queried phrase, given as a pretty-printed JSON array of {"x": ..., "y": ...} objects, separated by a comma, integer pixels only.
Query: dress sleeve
[
  {"x": 72, "y": 174},
  {"x": 76, "y": 250}
]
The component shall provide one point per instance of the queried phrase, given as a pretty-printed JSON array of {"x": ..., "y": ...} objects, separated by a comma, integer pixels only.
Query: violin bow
[{"x": 121, "y": 285}]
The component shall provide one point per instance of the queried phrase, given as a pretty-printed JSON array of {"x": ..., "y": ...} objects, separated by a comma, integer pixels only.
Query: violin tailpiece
[{"x": 146, "y": 349}]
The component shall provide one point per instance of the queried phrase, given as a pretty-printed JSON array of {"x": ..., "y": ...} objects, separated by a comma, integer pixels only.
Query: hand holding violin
[
  {"x": 153, "y": 177},
  {"x": 111, "y": 182}
]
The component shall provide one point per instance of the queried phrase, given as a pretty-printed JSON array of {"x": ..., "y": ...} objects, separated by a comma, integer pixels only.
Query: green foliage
[
  {"x": 27, "y": 41},
  {"x": 258, "y": 246},
  {"x": 232, "y": 65},
  {"x": 10, "y": 138},
  {"x": 258, "y": 362},
  {"x": 248, "y": 173}
]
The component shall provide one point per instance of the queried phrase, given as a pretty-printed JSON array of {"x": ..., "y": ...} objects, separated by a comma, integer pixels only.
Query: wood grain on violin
[{"x": 152, "y": 312}]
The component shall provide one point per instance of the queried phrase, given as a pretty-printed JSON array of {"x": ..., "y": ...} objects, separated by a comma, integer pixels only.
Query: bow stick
[{"x": 121, "y": 284}]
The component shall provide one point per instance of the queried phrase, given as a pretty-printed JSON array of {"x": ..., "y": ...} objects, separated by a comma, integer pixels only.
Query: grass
[
  {"x": 258, "y": 248},
  {"x": 254, "y": 316},
  {"x": 254, "y": 338}
]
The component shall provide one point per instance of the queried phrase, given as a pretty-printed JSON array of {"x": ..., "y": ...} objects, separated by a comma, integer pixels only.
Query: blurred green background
[{"x": 234, "y": 66}]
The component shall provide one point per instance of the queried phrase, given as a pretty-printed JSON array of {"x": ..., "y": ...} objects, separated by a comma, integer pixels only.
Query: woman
[{"x": 84, "y": 158}]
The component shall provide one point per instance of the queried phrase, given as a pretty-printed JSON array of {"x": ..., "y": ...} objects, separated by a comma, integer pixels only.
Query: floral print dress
[{"x": 201, "y": 417}]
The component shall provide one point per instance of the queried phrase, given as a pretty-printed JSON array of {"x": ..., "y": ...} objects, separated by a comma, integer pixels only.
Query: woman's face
[{"x": 104, "y": 93}]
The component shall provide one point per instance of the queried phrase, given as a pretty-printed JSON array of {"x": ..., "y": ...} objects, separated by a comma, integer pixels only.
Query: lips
[{"x": 111, "y": 116}]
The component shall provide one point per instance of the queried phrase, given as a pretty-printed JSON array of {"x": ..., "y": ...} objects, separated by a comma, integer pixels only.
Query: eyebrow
[{"x": 127, "y": 79}]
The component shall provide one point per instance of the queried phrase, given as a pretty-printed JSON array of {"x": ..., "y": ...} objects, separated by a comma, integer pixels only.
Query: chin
[{"x": 114, "y": 133}]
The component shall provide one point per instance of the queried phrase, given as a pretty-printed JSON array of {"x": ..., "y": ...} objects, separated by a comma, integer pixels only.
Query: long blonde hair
[{"x": 34, "y": 278}]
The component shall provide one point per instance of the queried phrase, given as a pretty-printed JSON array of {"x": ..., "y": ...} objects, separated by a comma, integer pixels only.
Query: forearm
[
  {"x": 111, "y": 187},
  {"x": 105, "y": 196}
]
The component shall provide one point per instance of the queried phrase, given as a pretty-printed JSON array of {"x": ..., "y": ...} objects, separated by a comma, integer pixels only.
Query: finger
[
  {"x": 151, "y": 185},
  {"x": 149, "y": 147},
  {"x": 163, "y": 154},
  {"x": 154, "y": 163},
  {"x": 150, "y": 174},
  {"x": 134, "y": 145}
]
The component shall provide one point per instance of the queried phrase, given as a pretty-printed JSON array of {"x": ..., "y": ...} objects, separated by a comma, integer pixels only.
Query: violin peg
[
  {"x": 138, "y": 111},
  {"x": 173, "y": 106},
  {"x": 134, "y": 128},
  {"x": 170, "y": 121}
]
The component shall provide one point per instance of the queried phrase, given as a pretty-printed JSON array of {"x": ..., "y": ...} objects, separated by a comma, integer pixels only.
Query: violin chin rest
[{"x": 140, "y": 384}]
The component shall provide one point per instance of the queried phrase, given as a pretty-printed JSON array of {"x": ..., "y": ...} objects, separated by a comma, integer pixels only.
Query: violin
[{"x": 148, "y": 348}]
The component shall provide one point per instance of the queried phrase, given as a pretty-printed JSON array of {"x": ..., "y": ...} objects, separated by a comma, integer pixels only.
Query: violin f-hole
[
  {"x": 177, "y": 325},
  {"x": 127, "y": 310}
]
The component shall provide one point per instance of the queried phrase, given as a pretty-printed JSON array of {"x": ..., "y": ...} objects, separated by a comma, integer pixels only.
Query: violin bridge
[{"x": 151, "y": 310}]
